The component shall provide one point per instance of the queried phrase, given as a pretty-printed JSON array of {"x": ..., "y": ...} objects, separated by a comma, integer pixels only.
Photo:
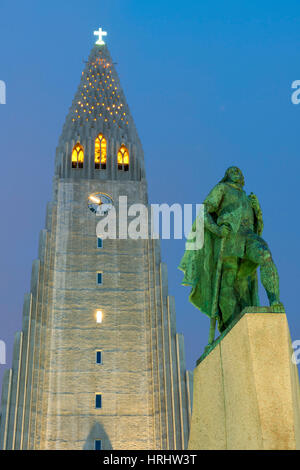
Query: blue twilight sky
[{"x": 209, "y": 86}]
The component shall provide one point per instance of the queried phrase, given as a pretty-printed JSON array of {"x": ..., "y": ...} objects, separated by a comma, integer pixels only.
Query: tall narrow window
[
  {"x": 99, "y": 316},
  {"x": 99, "y": 278},
  {"x": 123, "y": 158},
  {"x": 98, "y": 401},
  {"x": 100, "y": 152},
  {"x": 98, "y": 357},
  {"x": 77, "y": 156},
  {"x": 99, "y": 243},
  {"x": 98, "y": 444}
]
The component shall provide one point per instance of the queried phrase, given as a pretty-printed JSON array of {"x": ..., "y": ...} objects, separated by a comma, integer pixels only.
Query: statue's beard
[{"x": 237, "y": 183}]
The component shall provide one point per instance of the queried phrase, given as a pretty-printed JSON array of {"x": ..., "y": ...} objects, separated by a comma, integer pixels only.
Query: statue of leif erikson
[{"x": 223, "y": 273}]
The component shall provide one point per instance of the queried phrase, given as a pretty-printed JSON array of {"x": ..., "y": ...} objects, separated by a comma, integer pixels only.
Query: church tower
[{"x": 98, "y": 363}]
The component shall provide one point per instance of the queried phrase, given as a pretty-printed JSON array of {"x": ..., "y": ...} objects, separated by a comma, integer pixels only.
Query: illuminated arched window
[
  {"x": 77, "y": 156},
  {"x": 123, "y": 158},
  {"x": 100, "y": 152}
]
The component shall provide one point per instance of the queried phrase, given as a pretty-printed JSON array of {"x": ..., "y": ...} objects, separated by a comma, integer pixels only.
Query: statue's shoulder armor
[
  {"x": 221, "y": 186},
  {"x": 215, "y": 197},
  {"x": 219, "y": 190}
]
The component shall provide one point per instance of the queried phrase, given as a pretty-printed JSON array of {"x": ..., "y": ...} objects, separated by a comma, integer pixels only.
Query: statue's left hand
[
  {"x": 254, "y": 202},
  {"x": 257, "y": 209}
]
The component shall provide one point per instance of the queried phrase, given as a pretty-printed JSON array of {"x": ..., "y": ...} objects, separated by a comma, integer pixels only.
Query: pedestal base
[{"x": 246, "y": 390}]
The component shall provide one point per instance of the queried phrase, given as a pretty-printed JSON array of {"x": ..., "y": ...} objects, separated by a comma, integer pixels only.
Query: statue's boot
[{"x": 270, "y": 281}]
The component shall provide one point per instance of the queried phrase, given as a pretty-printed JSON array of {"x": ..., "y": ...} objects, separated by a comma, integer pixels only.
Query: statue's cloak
[{"x": 199, "y": 268}]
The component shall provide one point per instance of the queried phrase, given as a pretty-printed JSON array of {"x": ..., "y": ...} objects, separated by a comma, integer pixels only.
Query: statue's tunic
[{"x": 230, "y": 205}]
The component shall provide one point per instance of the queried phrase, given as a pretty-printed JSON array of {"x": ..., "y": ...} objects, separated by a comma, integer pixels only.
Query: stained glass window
[
  {"x": 100, "y": 152},
  {"x": 77, "y": 156},
  {"x": 123, "y": 158}
]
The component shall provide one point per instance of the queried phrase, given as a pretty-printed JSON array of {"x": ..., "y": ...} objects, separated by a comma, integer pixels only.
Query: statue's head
[{"x": 234, "y": 175}]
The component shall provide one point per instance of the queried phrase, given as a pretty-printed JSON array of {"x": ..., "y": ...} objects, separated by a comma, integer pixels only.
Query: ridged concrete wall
[{"x": 48, "y": 396}]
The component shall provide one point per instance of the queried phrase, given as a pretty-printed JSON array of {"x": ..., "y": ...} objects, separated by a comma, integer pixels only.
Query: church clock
[{"x": 100, "y": 204}]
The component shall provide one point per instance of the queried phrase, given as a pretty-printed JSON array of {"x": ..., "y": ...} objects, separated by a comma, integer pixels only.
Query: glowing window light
[
  {"x": 100, "y": 151},
  {"x": 77, "y": 156},
  {"x": 99, "y": 316},
  {"x": 123, "y": 156}
]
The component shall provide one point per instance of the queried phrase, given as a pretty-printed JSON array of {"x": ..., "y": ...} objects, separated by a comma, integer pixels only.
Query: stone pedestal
[{"x": 246, "y": 390}]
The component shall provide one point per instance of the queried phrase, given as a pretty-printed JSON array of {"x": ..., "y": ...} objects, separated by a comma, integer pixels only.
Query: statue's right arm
[{"x": 211, "y": 205}]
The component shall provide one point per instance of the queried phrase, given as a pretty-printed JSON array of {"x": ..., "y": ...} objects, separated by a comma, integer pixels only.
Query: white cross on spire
[{"x": 100, "y": 33}]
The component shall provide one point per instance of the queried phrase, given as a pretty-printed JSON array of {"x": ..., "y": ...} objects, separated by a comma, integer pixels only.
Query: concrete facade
[
  {"x": 48, "y": 396},
  {"x": 246, "y": 390}
]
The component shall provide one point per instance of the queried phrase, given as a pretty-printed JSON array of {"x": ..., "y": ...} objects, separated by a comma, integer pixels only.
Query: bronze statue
[{"x": 223, "y": 274}]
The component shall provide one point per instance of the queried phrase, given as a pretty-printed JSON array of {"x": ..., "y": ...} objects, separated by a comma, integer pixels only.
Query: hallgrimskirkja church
[{"x": 98, "y": 363}]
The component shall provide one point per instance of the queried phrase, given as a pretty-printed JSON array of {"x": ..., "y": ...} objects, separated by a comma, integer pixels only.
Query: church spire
[
  {"x": 99, "y": 107},
  {"x": 98, "y": 364}
]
